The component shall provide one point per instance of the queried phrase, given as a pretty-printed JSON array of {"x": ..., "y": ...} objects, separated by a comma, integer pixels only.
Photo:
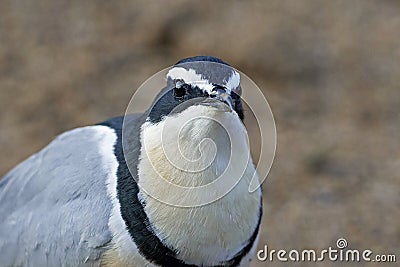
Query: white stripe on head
[
  {"x": 233, "y": 81},
  {"x": 191, "y": 77}
]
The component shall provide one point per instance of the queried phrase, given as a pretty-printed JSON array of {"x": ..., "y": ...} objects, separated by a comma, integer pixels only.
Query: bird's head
[
  {"x": 199, "y": 81},
  {"x": 194, "y": 128}
]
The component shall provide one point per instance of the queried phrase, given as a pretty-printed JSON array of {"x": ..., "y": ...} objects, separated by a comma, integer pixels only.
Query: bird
[{"x": 93, "y": 197}]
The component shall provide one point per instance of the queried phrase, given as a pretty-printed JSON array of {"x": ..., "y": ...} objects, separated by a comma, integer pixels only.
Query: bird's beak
[
  {"x": 220, "y": 99},
  {"x": 222, "y": 102}
]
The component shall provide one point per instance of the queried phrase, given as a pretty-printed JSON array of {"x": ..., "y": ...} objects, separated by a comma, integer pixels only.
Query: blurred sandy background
[{"x": 330, "y": 70}]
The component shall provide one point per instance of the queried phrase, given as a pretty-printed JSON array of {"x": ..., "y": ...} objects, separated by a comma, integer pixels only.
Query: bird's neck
[{"x": 175, "y": 170}]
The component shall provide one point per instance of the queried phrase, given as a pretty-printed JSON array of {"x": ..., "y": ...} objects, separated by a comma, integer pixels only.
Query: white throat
[{"x": 185, "y": 156}]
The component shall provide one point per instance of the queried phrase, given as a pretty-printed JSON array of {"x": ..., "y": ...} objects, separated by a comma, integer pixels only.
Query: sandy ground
[{"x": 330, "y": 70}]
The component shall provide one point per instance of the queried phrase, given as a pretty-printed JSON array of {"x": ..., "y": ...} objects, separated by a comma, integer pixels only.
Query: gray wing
[{"x": 54, "y": 207}]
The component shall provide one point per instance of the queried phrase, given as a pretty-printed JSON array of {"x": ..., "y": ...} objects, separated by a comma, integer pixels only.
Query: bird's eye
[
  {"x": 179, "y": 92},
  {"x": 217, "y": 87},
  {"x": 180, "y": 89}
]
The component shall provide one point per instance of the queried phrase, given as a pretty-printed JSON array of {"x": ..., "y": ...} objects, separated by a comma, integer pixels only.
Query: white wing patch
[{"x": 122, "y": 243}]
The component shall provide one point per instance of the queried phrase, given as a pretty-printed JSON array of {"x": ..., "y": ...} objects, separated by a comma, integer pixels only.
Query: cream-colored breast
[{"x": 211, "y": 233}]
